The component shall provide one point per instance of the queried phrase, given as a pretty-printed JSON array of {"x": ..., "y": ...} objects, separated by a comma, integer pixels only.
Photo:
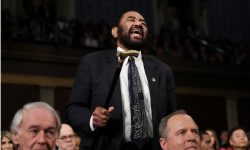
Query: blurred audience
[
  {"x": 214, "y": 139},
  {"x": 184, "y": 133},
  {"x": 6, "y": 141},
  {"x": 178, "y": 39},
  {"x": 35, "y": 126},
  {"x": 77, "y": 141},
  {"x": 205, "y": 141},
  {"x": 66, "y": 140},
  {"x": 248, "y": 136},
  {"x": 223, "y": 138},
  {"x": 90, "y": 41}
]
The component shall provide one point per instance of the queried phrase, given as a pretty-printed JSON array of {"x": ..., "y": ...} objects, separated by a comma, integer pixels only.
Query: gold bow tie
[{"x": 123, "y": 55}]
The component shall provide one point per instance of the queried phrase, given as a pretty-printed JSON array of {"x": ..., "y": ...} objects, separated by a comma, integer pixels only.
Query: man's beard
[{"x": 125, "y": 39}]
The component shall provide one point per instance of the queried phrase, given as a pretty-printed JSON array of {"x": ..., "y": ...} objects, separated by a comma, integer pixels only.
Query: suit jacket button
[{"x": 117, "y": 144}]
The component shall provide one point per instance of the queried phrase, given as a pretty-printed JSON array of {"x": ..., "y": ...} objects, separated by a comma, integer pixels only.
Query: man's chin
[
  {"x": 70, "y": 146},
  {"x": 135, "y": 38}
]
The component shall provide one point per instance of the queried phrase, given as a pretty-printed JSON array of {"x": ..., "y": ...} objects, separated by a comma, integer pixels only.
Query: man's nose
[
  {"x": 69, "y": 139},
  {"x": 137, "y": 22},
  {"x": 41, "y": 137},
  {"x": 191, "y": 137},
  {"x": 243, "y": 137}
]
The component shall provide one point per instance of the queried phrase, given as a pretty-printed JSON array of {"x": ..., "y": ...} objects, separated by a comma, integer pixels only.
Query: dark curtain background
[
  {"x": 110, "y": 10},
  {"x": 229, "y": 17}
]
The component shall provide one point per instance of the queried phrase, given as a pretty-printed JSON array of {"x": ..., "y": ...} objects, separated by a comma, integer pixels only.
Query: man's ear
[
  {"x": 114, "y": 32},
  {"x": 163, "y": 144},
  {"x": 231, "y": 143},
  {"x": 15, "y": 138},
  {"x": 57, "y": 142}
]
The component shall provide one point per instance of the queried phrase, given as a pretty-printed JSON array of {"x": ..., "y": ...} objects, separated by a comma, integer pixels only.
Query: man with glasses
[{"x": 66, "y": 140}]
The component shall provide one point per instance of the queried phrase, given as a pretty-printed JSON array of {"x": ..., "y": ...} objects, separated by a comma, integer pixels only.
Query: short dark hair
[
  {"x": 201, "y": 133},
  {"x": 230, "y": 133},
  {"x": 164, "y": 121},
  {"x": 118, "y": 20}
]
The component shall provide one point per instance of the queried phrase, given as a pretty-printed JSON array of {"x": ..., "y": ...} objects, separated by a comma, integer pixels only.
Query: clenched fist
[{"x": 101, "y": 116}]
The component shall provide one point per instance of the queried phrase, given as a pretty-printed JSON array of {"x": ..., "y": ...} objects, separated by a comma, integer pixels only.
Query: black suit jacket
[{"x": 91, "y": 87}]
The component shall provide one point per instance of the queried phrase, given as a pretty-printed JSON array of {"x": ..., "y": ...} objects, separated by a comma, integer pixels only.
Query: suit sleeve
[
  {"x": 78, "y": 111},
  {"x": 172, "y": 106}
]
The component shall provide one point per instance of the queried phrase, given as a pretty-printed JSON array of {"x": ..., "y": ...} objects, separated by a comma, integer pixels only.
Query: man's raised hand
[{"x": 101, "y": 116}]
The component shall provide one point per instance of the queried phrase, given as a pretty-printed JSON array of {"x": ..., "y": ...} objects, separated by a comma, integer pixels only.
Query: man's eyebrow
[
  {"x": 181, "y": 130},
  {"x": 37, "y": 126},
  {"x": 131, "y": 17},
  {"x": 34, "y": 126},
  {"x": 51, "y": 127}
]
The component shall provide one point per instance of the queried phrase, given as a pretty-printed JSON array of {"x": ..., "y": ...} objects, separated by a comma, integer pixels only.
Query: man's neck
[
  {"x": 239, "y": 148},
  {"x": 123, "y": 47}
]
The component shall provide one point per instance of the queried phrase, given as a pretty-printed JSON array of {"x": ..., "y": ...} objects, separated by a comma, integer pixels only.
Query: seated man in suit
[
  {"x": 144, "y": 93},
  {"x": 35, "y": 126},
  {"x": 66, "y": 140},
  {"x": 178, "y": 131}
]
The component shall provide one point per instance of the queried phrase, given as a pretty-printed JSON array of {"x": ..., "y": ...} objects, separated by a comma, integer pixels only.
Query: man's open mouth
[{"x": 137, "y": 32}]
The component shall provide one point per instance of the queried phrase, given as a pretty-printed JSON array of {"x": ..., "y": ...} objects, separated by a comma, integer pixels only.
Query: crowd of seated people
[
  {"x": 181, "y": 41},
  {"x": 43, "y": 119}
]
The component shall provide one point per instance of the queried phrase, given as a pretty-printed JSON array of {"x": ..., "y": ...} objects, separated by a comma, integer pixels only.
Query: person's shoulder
[
  {"x": 156, "y": 62},
  {"x": 99, "y": 54}
]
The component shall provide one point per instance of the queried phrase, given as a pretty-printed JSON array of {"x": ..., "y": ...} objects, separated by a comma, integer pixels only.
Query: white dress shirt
[{"x": 125, "y": 97}]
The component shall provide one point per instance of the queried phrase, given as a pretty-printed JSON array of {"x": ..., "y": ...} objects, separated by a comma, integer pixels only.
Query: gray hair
[
  {"x": 163, "y": 132},
  {"x": 17, "y": 120}
]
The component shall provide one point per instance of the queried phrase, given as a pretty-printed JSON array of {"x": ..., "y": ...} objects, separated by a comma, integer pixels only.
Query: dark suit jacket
[{"x": 91, "y": 87}]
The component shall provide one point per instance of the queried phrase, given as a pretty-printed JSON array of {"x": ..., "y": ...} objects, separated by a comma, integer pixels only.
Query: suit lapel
[
  {"x": 153, "y": 81},
  {"x": 110, "y": 66}
]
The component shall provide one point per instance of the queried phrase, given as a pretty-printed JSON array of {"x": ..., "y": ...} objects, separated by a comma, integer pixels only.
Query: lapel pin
[{"x": 153, "y": 79}]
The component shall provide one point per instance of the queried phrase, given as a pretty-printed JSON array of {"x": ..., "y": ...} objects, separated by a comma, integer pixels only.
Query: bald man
[{"x": 66, "y": 140}]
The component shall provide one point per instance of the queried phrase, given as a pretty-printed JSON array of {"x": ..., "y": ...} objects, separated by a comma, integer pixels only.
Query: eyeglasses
[{"x": 65, "y": 138}]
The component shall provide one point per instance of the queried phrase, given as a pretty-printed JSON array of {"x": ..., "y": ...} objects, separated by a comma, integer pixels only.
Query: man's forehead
[
  {"x": 37, "y": 111},
  {"x": 181, "y": 121},
  {"x": 133, "y": 14},
  {"x": 66, "y": 129},
  {"x": 239, "y": 131},
  {"x": 38, "y": 114}
]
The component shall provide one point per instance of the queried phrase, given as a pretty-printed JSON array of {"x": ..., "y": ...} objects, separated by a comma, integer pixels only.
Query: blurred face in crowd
[
  {"x": 6, "y": 144},
  {"x": 223, "y": 136},
  {"x": 131, "y": 32},
  {"x": 37, "y": 130},
  {"x": 206, "y": 142},
  {"x": 77, "y": 141},
  {"x": 211, "y": 136},
  {"x": 66, "y": 140},
  {"x": 239, "y": 139},
  {"x": 182, "y": 134}
]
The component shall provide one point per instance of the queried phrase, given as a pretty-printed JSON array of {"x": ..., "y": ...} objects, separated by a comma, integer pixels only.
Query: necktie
[{"x": 138, "y": 114}]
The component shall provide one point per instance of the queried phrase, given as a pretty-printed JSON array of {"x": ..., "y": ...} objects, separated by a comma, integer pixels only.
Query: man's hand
[{"x": 101, "y": 116}]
